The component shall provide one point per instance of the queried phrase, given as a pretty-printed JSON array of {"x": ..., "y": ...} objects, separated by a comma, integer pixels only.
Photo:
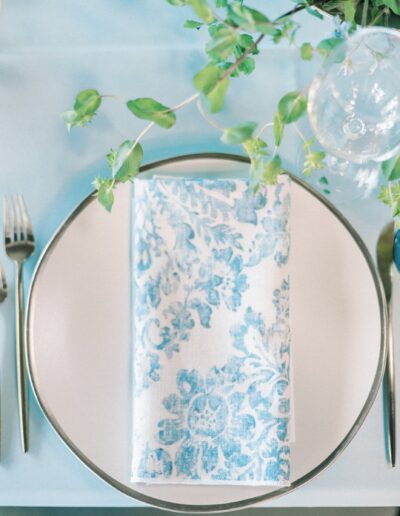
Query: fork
[
  {"x": 3, "y": 285},
  {"x": 19, "y": 244}
]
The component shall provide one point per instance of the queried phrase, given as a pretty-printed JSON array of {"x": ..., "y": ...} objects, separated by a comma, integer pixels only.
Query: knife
[{"x": 385, "y": 266}]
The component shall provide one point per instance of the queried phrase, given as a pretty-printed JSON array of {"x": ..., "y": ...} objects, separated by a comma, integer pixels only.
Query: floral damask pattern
[{"x": 210, "y": 302}]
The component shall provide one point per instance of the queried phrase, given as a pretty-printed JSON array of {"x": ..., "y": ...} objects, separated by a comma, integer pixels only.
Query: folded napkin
[{"x": 211, "y": 339}]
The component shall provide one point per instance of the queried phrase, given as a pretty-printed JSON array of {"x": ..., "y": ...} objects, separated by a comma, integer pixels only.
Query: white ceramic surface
[{"x": 79, "y": 353}]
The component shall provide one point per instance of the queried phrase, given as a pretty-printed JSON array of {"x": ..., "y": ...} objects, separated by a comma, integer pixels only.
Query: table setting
[{"x": 214, "y": 326}]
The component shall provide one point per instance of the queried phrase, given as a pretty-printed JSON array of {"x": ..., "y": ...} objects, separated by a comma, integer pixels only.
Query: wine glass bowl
[{"x": 354, "y": 102}]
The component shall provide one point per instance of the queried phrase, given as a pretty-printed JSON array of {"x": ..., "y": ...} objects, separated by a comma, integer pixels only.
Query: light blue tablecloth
[{"x": 50, "y": 49}]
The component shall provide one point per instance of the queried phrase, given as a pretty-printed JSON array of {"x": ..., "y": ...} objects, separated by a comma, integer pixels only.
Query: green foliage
[
  {"x": 105, "y": 194},
  {"x": 202, "y": 10},
  {"x": 292, "y": 106},
  {"x": 178, "y": 3},
  {"x": 394, "y": 5},
  {"x": 279, "y": 128},
  {"x": 149, "y": 109},
  {"x": 222, "y": 43},
  {"x": 326, "y": 47},
  {"x": 247, "y": 66},
  {"x": 391, "y": 168},
  {"x": 314, "y": 12},
  {"x": 210, "y": 81},
  {"x": 245, "y": 42},
  {"x": 313, "y": 160},
  {"x": 125, "y": 161},
  {"x": 86, "y": 105},
  {"x": 250, "y": 19},
  {"x": 390, "y": 195},
  {"x": 350, "y": 9},
  {"x": 287, "y": 30},
  {"x": 239, "y": 133},
  {"x": 235, "y": 31},
  {"x": 306, "y": 51},
  {"x": 193, "y": 24},
  {"x": 264, "y": 169},
  {"x": 272, "y": 169},
  {"x": 373, "y": 12}
]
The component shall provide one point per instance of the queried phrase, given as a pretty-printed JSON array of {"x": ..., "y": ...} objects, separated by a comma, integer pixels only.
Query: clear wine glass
[{"x": 354, "y": 102}]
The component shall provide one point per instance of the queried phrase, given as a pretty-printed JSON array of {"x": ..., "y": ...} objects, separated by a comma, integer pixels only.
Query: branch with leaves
[{"x": 235, "y": 33}]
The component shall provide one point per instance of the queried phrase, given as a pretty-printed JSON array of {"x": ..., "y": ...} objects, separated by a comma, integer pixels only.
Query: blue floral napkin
[{"x": 211, "y": 343}]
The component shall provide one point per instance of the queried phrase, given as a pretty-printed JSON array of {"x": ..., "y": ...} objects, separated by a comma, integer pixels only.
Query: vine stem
[
  {"x": 185, "y": 102},
  {"x": 245, "y": 54},
  {"x": 114, "y": 97},
  {"x": 299, "y": 133},
  {"x": 262, "y": 128},
  {"x": 364, "y": 15},
  {"x": 377, "y": 17},
  {"x": 182, "y": 104},
  {"x": 203, "y": 113}
]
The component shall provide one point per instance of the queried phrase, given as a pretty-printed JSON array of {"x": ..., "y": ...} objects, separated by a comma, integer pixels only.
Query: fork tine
[
  {"x": 26, "y": 221},
  {"x": 18, "y": 224},
  {"x": 7, "y": 221}
]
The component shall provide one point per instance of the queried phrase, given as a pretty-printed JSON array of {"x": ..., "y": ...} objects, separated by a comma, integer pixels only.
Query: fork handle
[
  {"x": 20, "y": 359},
  {"x": 390, "y": 392}
]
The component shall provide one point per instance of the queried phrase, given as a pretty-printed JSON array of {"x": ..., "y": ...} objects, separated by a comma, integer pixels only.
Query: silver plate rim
[{"x": 223, "y": 507}]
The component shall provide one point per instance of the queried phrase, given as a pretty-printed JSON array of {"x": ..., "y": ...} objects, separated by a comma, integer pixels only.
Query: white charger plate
[{"x": 78, "y": 339}]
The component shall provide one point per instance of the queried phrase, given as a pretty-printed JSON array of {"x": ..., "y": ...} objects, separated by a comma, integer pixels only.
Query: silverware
[
  {"x": 385, "y": 266},
  {"x": 19, "y": 243},
  {"x": 3, "y": 285}
]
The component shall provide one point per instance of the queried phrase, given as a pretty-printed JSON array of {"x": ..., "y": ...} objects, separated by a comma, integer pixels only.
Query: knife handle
[{"x": 390, "y": 391}]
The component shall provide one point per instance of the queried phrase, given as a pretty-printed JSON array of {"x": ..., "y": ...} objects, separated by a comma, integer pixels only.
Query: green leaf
[
  {"x": 394, "y": 5},
  {"x": 350, "y": 8},
  {"x": 216, "y": 97},
  {"x": 193, "y": 24},
  {"x": 326, "y": 47},
  {"x": 313, "y": 160},
  {"x": 209, "y": 82},
  {"x": 391, "y": 168},
  {"x": 245, "y": 41},
  {"x": 255, "y": 173},
  {"x": 222, "y": 42},
  {"x": 390, "y": 195},
  {"x": 149, "y": 109},
  {"x": 323, "y": 180},
  {"x": 239, "y": 133},
  {"x": 86, "y": 104},
  {"x": 202, "y": 10},
  {"x": 251, "y": 20},
  {"x": 177, "y": 3},
  {"x": 272, "y": 169},
  {"x": 314, "y": 12},
  {"x": 105, "y": 194},
  {"x": 306, "y": 51},
  {"x": 255, "y": 148},
  {"x": 206, "y": 80},
  {"x": 257, "y": 151},
  {"x": 247, "y": 66},
  {"x": 221, "y": 3},
  {"x": 279, "y": 128},
  {"x": 292, "y": 106},
  {"x": 125, "y": 161}
]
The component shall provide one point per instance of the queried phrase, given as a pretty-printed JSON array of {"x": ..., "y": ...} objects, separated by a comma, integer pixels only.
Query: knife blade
[{"x": 385, "y": 267}]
